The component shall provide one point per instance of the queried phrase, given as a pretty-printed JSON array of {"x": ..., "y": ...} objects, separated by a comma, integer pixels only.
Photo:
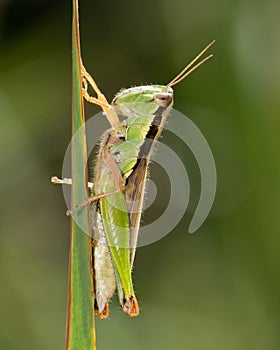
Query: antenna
[{"x": 185, "y": 72}]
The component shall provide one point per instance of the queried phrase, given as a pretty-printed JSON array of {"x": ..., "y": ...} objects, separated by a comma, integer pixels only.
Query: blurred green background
[{"x": 217, "y": 289}]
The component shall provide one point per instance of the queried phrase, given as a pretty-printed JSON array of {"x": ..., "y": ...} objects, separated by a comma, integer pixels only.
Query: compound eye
[{"x": 163, "y": 99}]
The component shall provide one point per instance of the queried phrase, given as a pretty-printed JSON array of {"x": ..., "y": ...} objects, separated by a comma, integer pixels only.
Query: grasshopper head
[
  {"x": 142, "y": 100},
  {"x": 145, "y": 100}
]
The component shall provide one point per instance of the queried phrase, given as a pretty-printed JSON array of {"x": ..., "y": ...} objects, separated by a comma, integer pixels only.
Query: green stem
[{"x": 80, "y": 333}]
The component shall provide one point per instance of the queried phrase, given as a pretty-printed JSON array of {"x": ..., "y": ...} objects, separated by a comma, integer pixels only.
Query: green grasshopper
[{"x": 119, "y": 181}]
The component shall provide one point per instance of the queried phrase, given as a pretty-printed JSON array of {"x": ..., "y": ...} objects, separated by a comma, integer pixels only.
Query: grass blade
[{"x": 80, "y": 318}]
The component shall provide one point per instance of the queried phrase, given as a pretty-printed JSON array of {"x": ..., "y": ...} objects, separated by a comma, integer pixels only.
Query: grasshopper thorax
[{"x": 141, "y": 100}]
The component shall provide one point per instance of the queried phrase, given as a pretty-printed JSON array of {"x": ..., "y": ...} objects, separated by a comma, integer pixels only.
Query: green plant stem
[{"x": 80, "y": 333}]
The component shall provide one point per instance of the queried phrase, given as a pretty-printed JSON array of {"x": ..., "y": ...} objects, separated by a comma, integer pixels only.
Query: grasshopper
[{"x": 119, "y": 179}]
